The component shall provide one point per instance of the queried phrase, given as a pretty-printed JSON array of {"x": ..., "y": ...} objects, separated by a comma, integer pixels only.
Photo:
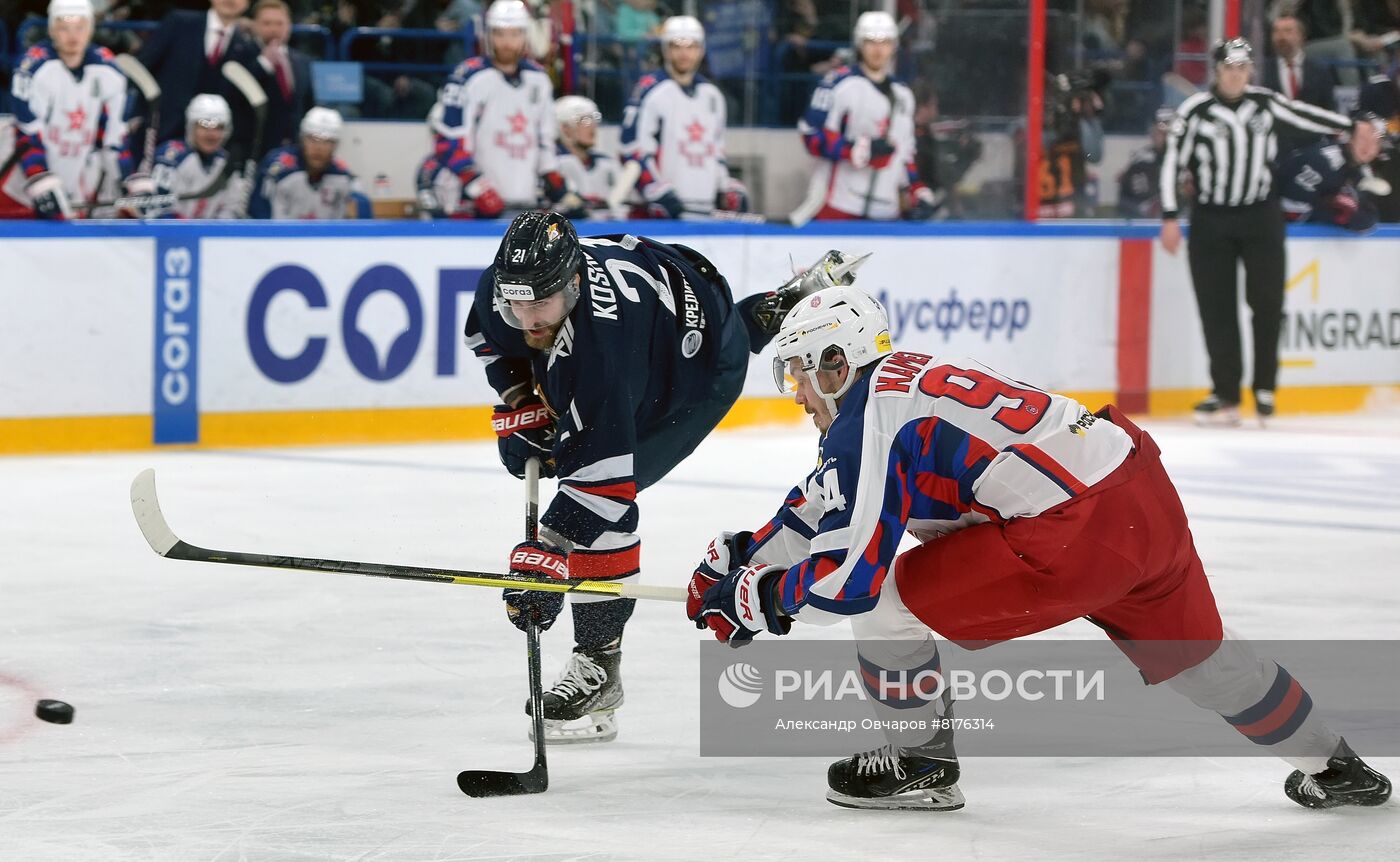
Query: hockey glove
[
  {"x": 726, "y": 554},
  {"x": 733, "y": 196},
  {"x": 668, "y": 205},
  {"x": 525, "y": 607},
  {"x": 923, "y": 203},
  {"x": 430, "y": 205},
  {"x": 743, "y": 604},
  {"x": 523, "y": 433},
  {"x": 486, "y": 201},
  {"x": 50, "y": 200},
  {"x": 872, "y": 152},
  {"x": 136, "y": 185},
  {"x": 561, "y": 198}
]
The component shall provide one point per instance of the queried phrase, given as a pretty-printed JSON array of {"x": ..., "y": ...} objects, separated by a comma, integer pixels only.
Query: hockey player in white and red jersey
[
  {"x": 307, "y": 181},
  {"x": 1032, "y": 512},
  {"x": 589, "y": 172},
  {"x": 860, "y": 124},
  {"x": 190, "y": 166},
  {"x": 497, "y": 132},
  {"x": 673, "y": 130},
  {"x": 70, "y": 131}
]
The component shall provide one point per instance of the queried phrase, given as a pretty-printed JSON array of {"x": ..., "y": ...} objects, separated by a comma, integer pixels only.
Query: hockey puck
[{"x": 54, "y": 711}]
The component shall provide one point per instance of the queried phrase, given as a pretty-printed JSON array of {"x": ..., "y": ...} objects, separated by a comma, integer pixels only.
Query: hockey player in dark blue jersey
[
  {"x": 614, "y": 356},
  {"x": 1329, "y": 182}
]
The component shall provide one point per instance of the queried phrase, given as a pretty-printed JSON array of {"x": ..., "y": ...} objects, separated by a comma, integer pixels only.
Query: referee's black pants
[{"x": 1220, "y": 238}]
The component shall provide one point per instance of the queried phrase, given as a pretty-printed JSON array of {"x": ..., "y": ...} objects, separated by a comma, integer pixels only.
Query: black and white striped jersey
[{"x": 1230, "y": 149}]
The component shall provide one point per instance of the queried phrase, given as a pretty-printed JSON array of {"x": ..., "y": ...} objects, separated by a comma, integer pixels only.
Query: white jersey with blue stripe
[{"x": 929, "y": 446}]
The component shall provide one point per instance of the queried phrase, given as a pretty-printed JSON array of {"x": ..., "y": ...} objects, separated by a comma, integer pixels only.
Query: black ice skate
[
  {"x": 580, "y": 706},
  {"x": 1347, "y": 780},
  {"x": 1213, "y": 411},
  {"x": 836, "y": 268},
  {"x": 893, "y": 778}
]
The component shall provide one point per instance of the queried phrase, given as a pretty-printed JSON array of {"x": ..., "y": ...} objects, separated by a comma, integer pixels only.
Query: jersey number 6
[{"x": 975, "y": 389}]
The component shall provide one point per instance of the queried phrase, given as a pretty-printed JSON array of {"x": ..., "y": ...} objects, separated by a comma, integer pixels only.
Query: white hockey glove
[{"x": 50, "y": 201}]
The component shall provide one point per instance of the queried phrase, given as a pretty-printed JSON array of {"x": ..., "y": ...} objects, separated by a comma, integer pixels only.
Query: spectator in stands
[
  {"x": 307, "y": 181},
  {"x": 1195, "y": 39},
  {"x": 802, "y": 22},
  {"x": 1327, "y": 24},
  {"x": 1377, "y": 28},
  {"x": 1139, "y": 186},
  {"x": 284, "y": 72},
  {"x": 637, "y": 20},
  {"x": 186, "y": 54},
  {"x": 402, "y": 96},
  {"x": 1381, "y": 96}
]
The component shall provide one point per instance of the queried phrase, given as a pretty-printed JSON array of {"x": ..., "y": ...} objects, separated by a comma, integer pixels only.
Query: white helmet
[
  {"x": 507, "y": 15},
  {"x": 324, "y": 123},
  {"x": 682, "y": 28},
  {"x": 70, "y": 9},
  {"x": 875, "y": 27},
  {"x": 844, "y": 319},
  {"x": 211, "y": 112},
  {"x": 570, "y": 110}
]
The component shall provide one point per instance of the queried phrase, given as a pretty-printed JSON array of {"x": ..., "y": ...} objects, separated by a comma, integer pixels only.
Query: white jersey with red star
[
  {"x": 500, "y": 126},
  {"x": 677, "y": 134},
  {"x": 927, "y": 446},
  {"x": 70, "y": 122},
  {"x": 848, "y": 106}
]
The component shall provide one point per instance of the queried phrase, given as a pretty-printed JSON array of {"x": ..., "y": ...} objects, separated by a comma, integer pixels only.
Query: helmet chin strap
[{"x": 832, "y": 397}]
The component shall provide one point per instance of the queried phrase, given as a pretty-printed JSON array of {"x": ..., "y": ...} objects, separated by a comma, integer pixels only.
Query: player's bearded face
[
  {"x": 508, "y": 45},
  {"x": 317, "y": 152},
  {"x": 876, "y": 55},
  {"x": 540, "y": 320},
  {"x": 71, "y": 35},
  {"x": 684, "y": 57},
  {"x": 807, "y": 397}
]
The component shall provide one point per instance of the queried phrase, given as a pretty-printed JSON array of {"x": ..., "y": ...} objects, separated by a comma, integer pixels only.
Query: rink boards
[{"x": 128, "y": 336}]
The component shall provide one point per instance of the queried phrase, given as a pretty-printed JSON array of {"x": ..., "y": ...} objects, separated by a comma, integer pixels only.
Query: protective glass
[{"x": 538, "y": 312}]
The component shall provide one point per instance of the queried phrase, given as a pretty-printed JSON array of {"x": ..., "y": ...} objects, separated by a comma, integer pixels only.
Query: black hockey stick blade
[{"x": 481, "y": 783}]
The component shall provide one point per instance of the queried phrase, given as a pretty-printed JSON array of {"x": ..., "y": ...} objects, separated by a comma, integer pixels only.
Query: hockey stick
[
  {"x": 256, "y": 97},
  {"x": 146, "y": 507},
  {"x": 731, "y": 216},
  {"x": 810, "y": 206},
  {"x": 487, "y": 782},
  {"x": 623, "y": 185},
  {"x": 139, "y": 75}
]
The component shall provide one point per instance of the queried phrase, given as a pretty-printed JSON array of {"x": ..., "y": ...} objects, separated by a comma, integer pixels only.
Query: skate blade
[
  {"x": 933, "y": 799},
  {"x": 1211, "y": 420},
  {"x": 594, "y": 727}
]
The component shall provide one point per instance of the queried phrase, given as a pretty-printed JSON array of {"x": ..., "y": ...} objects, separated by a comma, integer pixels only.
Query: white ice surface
[{"x": 238, "y": 714}]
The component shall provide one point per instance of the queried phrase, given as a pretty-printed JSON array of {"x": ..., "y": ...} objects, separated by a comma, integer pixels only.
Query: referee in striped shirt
[{"x": 1225, "y": 139}]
